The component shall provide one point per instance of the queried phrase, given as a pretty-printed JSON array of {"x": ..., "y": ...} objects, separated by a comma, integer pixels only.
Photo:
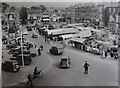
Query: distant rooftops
[{"x": 32, "y": 11}]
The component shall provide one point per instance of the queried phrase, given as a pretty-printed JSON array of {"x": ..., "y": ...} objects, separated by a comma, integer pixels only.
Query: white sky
[{"x": 59, "y": 0}]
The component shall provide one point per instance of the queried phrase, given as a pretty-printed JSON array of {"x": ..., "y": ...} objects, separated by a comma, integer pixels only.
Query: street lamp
[{"x": 22, "y": 45}]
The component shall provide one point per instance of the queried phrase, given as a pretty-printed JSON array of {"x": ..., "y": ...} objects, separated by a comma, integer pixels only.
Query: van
[{"x": 56, "y": 49}]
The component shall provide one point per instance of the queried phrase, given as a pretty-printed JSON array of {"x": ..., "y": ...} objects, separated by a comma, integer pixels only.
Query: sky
[
  {"x": 59, "y": 0},
  {"x": 49, "y": 3}
]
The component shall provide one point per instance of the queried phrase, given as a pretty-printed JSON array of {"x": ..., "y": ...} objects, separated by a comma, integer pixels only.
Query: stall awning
[
  {"x": 79, "y": 40},
  {"x": 46, "y": 19}
]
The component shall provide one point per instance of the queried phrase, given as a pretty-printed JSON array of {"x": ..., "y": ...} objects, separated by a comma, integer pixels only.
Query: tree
[
  {"x": 43, "y": 8},
  {"x": 12, "y": 9},
  {"x": 23, "y": 15},
  {"x": 34, "y": 7},
  {"x": 4, "y": 7},
  {"x": 56, "y": 11}
]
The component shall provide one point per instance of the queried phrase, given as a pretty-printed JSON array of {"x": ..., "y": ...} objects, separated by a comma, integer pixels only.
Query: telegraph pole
[{"x": 22, "y": 45}]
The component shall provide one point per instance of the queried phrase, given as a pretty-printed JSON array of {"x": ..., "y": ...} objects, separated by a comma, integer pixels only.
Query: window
[
  {"x": 112, "y": 9},
  {"x": 109, "y": 10}
]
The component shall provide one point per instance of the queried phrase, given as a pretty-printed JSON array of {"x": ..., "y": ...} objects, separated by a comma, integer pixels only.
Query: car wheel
[{"x": 17, "y": 66}]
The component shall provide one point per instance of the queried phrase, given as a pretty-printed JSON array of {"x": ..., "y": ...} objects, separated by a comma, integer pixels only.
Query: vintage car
[
  {"x": 65, "y": 62},
  {"x": 29, "y": 29},
  {"x": 34, "y": 35},
  {"x": 57, "y": 49},
  {"x": 26, "y": 57},
  {"x": 33, "y": 52},
  {"x": 10, "y": 66},
  {"x": 9, "y": 46}
]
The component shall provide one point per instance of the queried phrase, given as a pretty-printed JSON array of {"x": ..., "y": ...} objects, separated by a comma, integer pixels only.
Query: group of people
[
  {"x": 39, "y": 50},
  {"x": 113, "y": 55},
  {"x": 36, "y": 72},
  {"x": 35, "y": 75}
]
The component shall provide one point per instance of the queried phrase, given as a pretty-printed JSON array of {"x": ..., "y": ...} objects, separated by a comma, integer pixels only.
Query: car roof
[
  {"x": 65, "y": 57},
  {"x": 57, "y": 45}
]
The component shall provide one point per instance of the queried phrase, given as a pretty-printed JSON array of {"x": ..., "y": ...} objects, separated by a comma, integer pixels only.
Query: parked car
[
  {"x": 4, "y": 38},
  {"x": 10, "y": 66},
  {"x": 57, "y": 49},
  {"x": 29, "y": 29},
  {"x": 26, "y": 57},
  {"x": 33, "y": 52},
  {"x": 9, "y": 46},
  {"x": 94, "y": 50},
  {"x": 25, "y": 33},
  {"x": 65, "y": 62},
  {"x": 34, "y": 35}
]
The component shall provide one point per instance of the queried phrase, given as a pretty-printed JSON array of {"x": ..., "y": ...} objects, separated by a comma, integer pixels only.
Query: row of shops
[{"x": 93, "y": 46}]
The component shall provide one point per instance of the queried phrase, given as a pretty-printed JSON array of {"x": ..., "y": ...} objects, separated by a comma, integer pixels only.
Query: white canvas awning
[
  {"x": 79, "y": 40},
  {"x": 46, "y": 19}
]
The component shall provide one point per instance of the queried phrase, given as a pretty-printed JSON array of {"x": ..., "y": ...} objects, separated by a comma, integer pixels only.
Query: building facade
[
  {"x": 34, "y": 16},
  {"x": 113, "y": 17}
]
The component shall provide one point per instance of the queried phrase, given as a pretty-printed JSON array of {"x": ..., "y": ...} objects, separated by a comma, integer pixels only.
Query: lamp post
[{"x": 22, "y": 46}]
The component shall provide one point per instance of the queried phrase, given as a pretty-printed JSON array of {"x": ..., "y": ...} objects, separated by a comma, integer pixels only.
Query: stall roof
[
  {"x": 62, "y": 31},
  {"x": 106, "y": 44},
  {"x": 46, "y": 19},
  {"x": 84, "y": 34},
  {"x": 68, "y": 36},
  {"x": 79, "y": 40},
  {"x": 77, "y": 24}
]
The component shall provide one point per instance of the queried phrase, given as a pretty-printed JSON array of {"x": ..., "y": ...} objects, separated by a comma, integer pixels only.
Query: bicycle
[{"x": 38, "y": 75}]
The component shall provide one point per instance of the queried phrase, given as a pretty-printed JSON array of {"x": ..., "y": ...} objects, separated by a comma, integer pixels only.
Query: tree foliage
[
  {"x": 23, "y": 15},
  {"x": 43, "y": 8},
  {"x": 34, "y": 7},
  {"x": 4, "y": 6},
  {"x": 12, "y": 9}
]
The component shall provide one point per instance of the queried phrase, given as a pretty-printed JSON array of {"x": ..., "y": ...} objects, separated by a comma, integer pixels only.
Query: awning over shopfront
[
  {"x": 62, "y": 31},
  {"x": 83, "y": 34},
  {"x": 78, "y": 40},
  {"x": 46, "y": 19},
  {"x": 68, "y": 36}
]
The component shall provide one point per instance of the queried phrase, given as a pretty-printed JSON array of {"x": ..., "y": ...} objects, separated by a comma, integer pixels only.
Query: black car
[
  {"x": 26, "y": 57},
  {"x": 29, "y": 29},
  {"x": 10, "y": 66},
  {"x": 34, "y": 35},
  {"x": 56, "y": 49},
  {"x": 65, "y": 62},
  {"x": 4, "y": 38},
  {"x": 9, "y": 46}
]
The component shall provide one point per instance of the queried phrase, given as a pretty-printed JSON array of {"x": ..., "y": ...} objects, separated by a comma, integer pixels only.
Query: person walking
[
  {"x": 29, "y": 79},
  {"x": 35, "y": 73},
  {"x": 45, "y": 39},
  {"x": 35, "y": 44},
  {"x": 105, "y": 54},
  {"x": 39, "y": 51},
  {"x": 41, "y": 47},
  {"x": 111, "y": 54},
  {"x": 86, "y": 65}
]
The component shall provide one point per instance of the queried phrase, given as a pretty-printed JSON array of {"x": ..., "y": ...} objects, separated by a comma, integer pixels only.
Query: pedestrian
[
  {"x": 35, "y": 44},
  {"x": 115, "y": 55},
  {"x": 111, "y": 54},
  {"x": 45, "y": 39},
  {"x": 35, "y": 73},
  {"x": 41, "y": 47},
  {"x": 29, "y": 79},
  {"x": 39, "y": 51},
  {"x": 105, "y": 54},
  {"x": 86, "y": 65}
]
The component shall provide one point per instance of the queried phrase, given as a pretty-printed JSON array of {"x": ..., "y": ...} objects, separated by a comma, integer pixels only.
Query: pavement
[{"x": 43, "y": 62}]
